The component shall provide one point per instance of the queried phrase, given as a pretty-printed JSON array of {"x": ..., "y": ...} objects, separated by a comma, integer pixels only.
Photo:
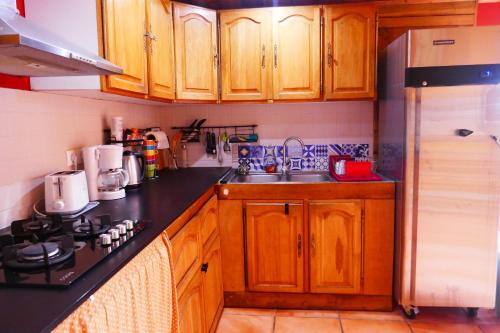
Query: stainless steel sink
[
  {"x": 263, "y": 178},
  {"x": 256, "y": 178},
  {"x": 308, "y": 178}
]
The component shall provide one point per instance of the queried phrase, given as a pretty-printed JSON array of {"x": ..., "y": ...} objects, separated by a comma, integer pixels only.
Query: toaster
[{"x": 66, "y": 192}]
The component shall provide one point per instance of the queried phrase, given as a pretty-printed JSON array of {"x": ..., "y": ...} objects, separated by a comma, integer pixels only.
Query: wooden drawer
[
  {"x": 209, "y": 217},
  {"x": 186, "y": 249}
]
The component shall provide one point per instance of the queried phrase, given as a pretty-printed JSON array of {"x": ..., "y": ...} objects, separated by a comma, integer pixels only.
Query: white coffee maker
[{"x": 105, "y": 177}]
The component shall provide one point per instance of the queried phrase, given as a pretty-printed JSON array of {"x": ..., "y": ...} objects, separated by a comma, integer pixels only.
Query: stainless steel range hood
[{"x": 27, "y": 49}]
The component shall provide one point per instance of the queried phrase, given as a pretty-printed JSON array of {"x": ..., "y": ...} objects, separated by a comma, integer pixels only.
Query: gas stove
[{"x": 54, "y": 251}]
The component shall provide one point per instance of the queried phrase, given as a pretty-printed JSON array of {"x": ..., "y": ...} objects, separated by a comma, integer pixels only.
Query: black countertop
[{"x": 161, "y": 201}]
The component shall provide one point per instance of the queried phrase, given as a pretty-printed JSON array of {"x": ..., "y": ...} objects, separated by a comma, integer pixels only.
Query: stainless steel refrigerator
[{"x": 439, "y": 120}]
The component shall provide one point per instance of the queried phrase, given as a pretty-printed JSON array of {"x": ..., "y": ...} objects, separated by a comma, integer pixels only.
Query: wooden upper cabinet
[
  {"x": 350, "y": 53},
  {"x": 335, "y": 246},
  {"x": 196, "y": 52},
  {"x": 246, "y": 54},
  {"x": 275, "y": 246},
  {"x": 161, "y": 49},
  {"x": 125, "y": 45},
  {"x": 296, "y": 52}
]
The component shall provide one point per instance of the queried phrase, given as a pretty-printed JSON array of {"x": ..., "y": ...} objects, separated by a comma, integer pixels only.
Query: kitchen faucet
[{"x": 285, "y": 160}]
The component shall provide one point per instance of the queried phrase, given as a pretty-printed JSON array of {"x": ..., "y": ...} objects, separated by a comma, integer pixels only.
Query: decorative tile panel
[{"x": 314, "y": 157}]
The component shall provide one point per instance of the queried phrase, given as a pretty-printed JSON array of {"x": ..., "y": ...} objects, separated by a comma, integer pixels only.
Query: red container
[{"x": 358, "y": 169}]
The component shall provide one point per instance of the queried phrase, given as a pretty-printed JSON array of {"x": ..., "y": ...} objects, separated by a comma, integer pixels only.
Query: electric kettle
[{"x": 134, "y": 168}]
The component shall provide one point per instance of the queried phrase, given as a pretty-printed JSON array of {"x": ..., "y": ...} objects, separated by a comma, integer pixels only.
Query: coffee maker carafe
[{"x": 105, "y": 177}]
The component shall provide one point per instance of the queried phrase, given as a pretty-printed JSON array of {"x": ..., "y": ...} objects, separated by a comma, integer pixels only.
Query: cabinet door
[
  {"x": 186, "y": 250},
  {"x": 349, "y": 52},
  {"x": 125, "y": 44},
  {"x": 246, "y": 55},
  {"x": 212, "y": 283},
  {"x": 191, "y": 315},
  {"x": 195, "y": 52},
  {"x": 209, "y": 216},
  {"x": 296, "y": 52},
  {"x": 335, "y": 246},
  {"x": 161, "y": 50},
  {"x": 274, "y": 246}
]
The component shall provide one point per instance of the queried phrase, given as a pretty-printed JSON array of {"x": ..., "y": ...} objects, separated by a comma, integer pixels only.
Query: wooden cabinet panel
[
  {"x": 232, "y": 244},
  {"x": 195, "y": 52},
  {"x": 246, "y": 54},
  {"x": 191, "y": 314},
  {"x": 161, "y": 49},
  {"x": 209, "y": 216},
  {"x": 349, "y": 51},
  {"x": 274, "y": 246},
  {"x": 335, "y": 246},
  {"x": 212, "y": 284},
  {"x": 186, "y": 249},
  {"x": 378, "y": 247},
  {"x": 124, "y": 44},
  {"x": 296, "y": 52}
]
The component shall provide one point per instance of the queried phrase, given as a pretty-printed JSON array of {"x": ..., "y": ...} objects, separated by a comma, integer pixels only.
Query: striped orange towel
[{"x": 141, "y": 297}]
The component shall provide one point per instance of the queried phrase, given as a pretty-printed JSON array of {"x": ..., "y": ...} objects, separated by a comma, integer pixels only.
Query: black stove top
[{"x": 54, "y": 252}]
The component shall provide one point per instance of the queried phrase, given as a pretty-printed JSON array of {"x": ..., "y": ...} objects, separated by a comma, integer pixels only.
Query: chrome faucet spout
[{"x": 286, "y": 161}]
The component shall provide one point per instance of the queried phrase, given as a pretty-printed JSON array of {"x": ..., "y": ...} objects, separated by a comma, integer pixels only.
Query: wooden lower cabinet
[
  {"x": 274, "y": 246},
  {"x": 213, "y": 296},
  {"x": 197, "y": 268},
  {"x": 321, "y": 252},
  {"x": 335, "y": 246},
  {"x": 191, "y": 310}
]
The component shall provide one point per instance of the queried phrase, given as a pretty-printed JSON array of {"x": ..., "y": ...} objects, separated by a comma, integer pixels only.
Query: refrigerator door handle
[{"x": 463, "y": 132}]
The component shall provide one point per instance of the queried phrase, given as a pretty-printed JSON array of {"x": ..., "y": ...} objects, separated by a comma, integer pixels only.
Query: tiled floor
[{"x": 430, "y": 320}]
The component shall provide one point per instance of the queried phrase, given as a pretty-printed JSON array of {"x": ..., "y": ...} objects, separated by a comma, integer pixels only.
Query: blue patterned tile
[
  {"x": 279, "y": 151},
  {"x": 356, "y": 150},
  {"x": 269, "y": 150},
  {"x": 308, "y": 163},
  {"x": 256, "y": 164},
  {"x": 309, "y": 151},
  {"x": 243, "y": 151},
  {"x": 256, "y": 151},
  {"x": 334, "y": 149},
  {"x": 279, "y": 164},
  {"x": 321, "y": 151},
  {"x": 296, "y": 164},
  {"x": 321, "y": 163},
  {"x": 294, "y": 151}
]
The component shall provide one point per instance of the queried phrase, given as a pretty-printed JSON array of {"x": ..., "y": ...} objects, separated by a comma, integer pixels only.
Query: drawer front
[
  {"x": 186, "y": 249},
  {"x": 209, "y": 216}
]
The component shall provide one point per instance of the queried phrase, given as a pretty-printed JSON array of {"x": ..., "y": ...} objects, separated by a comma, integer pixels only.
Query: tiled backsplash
[{"x": 314, "y": 157}]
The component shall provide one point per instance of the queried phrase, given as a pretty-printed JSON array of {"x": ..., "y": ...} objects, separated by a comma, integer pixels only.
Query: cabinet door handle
[
  {"x": 204, "y": 267},
  {"x": 313, "y": 245},
  {"x": 275, "y": 56},
  {"x": 299, "y": 245},
  {"x": 263, "y": 56},
  {"x": 216, "y": 56},
  {"x": 330, "y": 55}
]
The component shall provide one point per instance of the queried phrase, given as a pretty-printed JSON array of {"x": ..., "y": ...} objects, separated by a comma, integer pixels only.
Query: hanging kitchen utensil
[
  {"x": 220, "y": 158},
  {"x": 225, "y": 139}
]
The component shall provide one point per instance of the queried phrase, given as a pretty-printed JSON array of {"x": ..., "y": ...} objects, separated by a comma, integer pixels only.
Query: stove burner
[
  {"x": 87, "y": 228},
  {"x": 41, "y": 228},
  {"x": 38, "y": 255},
  {"x": 37, "y": 251},
  {"x": 36, "y": 225}
]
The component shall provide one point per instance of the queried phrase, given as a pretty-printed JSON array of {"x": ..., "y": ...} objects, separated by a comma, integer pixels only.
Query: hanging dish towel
[{"x": 141, "y": 297}]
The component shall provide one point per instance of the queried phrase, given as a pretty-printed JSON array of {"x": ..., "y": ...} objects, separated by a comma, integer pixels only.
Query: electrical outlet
[{"x": 73, "y": 158}]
